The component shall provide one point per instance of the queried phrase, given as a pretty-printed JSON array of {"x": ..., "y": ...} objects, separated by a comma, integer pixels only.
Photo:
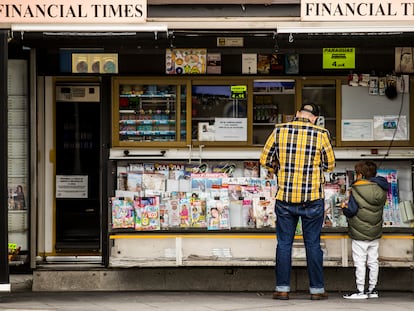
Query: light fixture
[
  {"x": 90, "y": 28},
  {"x": 171, "y": 36},
  {"x": 276, "y": 44},
  {"x": 9, "y": 36}
]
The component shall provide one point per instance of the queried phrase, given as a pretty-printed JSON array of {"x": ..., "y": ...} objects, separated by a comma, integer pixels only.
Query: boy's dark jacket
[{"x": 365, "y": 208}]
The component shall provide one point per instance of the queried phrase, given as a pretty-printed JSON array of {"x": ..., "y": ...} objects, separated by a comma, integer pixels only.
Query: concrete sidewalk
[
  {"x": 22, "y": 298},
  {"x": 194, "y": 301}
]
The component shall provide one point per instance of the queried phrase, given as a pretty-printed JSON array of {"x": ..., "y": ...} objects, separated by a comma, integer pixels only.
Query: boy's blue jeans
[{"x": 312, "y": 214}]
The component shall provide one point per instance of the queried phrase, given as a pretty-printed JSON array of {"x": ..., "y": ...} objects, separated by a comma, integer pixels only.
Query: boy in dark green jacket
[{"x": 364, "y": 211}]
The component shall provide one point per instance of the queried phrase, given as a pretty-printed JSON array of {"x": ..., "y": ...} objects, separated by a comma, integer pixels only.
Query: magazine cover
[
  {"x": 122, "y": 181},
  {"x": 234, "y": 192},
  {"x": 122, "y": 213},
  {"x": 335, "y": 197},
  {"x": 263, "y": 63},
  {"x": 149, "y": 168},
  {"x": 194, "y": 168},
  {"x": 249, "y": 63},
  {"x": 251, "y": 169},
  {"x": 250, "y": 192},
  {"x": 218, "y": 216},
  {"x": 224, "y": 167},
  {"x": 263, "y": 209},
  {"x": 248, "y": 214},
  {"x": 184, "y": 206},
  {"x": 134, "y": 182},
  {"x": 173, "y": 211},
  {"x": 176, "y": 171},
  {"x": 164, "y": 220},
  {"x": 269, "y": 188},
  {"x": 198, "y": 183},
  {"x": 218, "y": 194},
  {"x": 136, "y": 167},
  {"x": 292, "y": 63},
  {"x": 213, "y": 63},
  {"x": 214, "y": 181},
  {"x": 236, "y": 213},
  {"x": 162, "y": 168},
  {"x": 276, "y": 63},
  {"x": 198, "y": 213},
  {"x": 147, "y": 216},
  {"x": 153, "y": 181},
  {"x": 391, "y": 216}
]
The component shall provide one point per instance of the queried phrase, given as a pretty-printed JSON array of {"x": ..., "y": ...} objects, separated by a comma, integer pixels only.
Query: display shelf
[
  {"x": 273, "y": 102},
  {"x": 149, "y": 112},
  {"x": 242, "y": 249}
]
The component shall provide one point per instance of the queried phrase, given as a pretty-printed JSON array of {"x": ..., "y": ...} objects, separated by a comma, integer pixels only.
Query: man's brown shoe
[
  {"x": 320, "y": 296},
  {"x": 280, "y": 295}
]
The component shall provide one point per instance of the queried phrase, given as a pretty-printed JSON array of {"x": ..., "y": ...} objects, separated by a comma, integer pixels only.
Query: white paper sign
[
  {"x": 72, "y": 186},
  {"x": 357, "y": 129},
  {"x": 230, "y": 129},
  {"x": 390, "y": 127}
]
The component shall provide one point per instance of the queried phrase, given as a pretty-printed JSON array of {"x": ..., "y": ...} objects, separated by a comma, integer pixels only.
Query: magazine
[
  {"x": 248, "y": 214},
  {"x": 263, "y": 209},
  {"x": 251, "y": 169},
  {"x": 392, "y": 216},
  {"x": 198, "y": 213},
  {"x": 173, "y": 211},
  {"x": 153, "y": 181},
  {"x": 147, "y": 216},
  {"x": 335, "y": 197},
  {"x": 134, "y": 182},
  {"x": 162, "y": 168},
  {"x": 218, "y": 216},
  {"x": 184, "y": 206},
  {"x": 236, "y": 213},
  {"x": 176, "y": 171},
  {"x": 122, "y": 213}
]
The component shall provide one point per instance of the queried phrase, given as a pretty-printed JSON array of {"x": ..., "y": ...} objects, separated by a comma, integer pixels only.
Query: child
[{"x": 364, "y": 211}]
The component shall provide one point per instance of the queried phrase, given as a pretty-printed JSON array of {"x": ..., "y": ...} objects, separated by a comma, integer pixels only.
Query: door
[{"x": 78, "y": 206}]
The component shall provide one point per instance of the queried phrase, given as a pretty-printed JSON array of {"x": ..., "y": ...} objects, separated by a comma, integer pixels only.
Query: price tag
[
  {"x": 238, "y": 91},
  {"x": 338, "y": 58}
]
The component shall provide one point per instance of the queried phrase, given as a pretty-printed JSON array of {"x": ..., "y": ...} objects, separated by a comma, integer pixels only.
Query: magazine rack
[{"x": 243, "y": 245}]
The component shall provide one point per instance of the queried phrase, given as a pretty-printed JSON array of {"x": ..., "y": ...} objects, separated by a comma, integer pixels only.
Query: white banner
[
  {"x": 344, "y": 10},
  {"x": 80, "y": 11}
]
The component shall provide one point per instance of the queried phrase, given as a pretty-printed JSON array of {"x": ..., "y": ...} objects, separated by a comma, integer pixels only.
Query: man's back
[{"x": 302, "y": 150}]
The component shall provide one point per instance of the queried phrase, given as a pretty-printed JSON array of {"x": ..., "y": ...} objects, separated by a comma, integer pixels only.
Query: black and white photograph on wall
[
  {"x": 404, "y": 60},
  {"x": 292, "y": 63}
]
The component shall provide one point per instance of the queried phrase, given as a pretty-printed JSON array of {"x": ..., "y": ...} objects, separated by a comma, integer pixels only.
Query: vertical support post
[{"x": 4, "y": 232}]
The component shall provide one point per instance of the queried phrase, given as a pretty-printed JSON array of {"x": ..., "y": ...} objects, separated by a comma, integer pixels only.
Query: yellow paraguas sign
[{"x": 338, "y": 58}]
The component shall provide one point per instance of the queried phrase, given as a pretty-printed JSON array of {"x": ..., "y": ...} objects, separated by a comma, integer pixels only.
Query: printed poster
[{"x": 185, "y": 61}]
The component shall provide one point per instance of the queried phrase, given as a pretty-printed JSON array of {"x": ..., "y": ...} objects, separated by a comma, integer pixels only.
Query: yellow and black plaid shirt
[{"x": 302, "y": 151}]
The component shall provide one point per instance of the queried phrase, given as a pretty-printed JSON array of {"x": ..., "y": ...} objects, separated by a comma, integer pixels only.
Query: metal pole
[{"x": 4, "y": 231}]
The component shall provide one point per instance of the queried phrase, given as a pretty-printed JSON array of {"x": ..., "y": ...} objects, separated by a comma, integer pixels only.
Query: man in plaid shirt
[{"x": 299, "y": 152}]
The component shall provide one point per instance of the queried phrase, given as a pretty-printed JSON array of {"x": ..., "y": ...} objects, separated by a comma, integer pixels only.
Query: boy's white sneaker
[
  {"x": 356, "y": 295},
  {"x": 372, "y": 294}
]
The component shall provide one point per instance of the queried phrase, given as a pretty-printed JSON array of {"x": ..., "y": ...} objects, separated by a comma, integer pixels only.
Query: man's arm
[
  {"x": 328, "y": 155},
  {"x": 267, "y": 158}
]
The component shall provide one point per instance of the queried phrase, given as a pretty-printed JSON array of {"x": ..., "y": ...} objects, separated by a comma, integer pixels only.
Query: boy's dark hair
[{"x": 368, "y": 169}]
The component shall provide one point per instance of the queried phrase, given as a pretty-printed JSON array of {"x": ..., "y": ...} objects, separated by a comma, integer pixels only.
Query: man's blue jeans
[{"x": 288, "y": 214}]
